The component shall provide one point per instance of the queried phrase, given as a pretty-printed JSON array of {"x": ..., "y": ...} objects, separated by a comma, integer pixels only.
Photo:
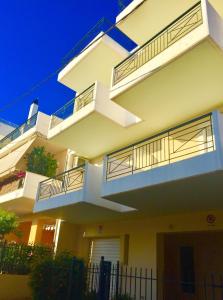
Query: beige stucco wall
[
  {"x": 61, "y": 160},
  {"x": 143, "y": 235},
  {"x": 70, "y": 240}
]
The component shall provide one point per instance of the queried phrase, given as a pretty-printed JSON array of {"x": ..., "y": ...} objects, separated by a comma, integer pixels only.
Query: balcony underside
[
  {"x": 18, "y": 204},
  {"x": 198, "y": 193},
  {"x": 83, "y": 212},
  {"x": 136, "y": 24},
  {"x": 189, "y": 184},
  {"x": 218, "y": 5},
  {"x": 94, "y": 63},
  {"x": 86, "y": 135},
  {"x": 193, "y": 80}
]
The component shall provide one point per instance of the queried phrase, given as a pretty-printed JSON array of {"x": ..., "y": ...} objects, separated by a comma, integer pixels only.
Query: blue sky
[{"x": 35, "y": 36}]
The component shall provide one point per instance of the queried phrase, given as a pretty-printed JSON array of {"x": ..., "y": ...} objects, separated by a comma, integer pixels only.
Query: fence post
[
  {"x": 104, "y": 280},
  {"x": 213, "y": 286},
  {"x": 69, "y": 291},
  {"x": 76, "y": 283},
  {"x": 3, "y": 249},
  {"x": 205, "y": 289},
  {"x": 117, "y": 280}
]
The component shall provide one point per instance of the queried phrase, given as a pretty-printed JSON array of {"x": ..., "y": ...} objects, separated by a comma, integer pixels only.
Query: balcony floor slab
[{"x": 163, "y": 191}]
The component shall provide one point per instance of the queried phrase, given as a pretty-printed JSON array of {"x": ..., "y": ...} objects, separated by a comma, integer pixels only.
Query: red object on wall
[{"x": 211, "y": 219}]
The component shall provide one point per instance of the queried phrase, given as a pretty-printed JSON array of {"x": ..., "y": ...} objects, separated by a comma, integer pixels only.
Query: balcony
[
  {"x": 181, "y": 66},
  {"x": 91, "y": 111},
  {"x": 175, "y": 31},
  {"x": 37, "y": 123},
  {"x": 72, "y": 180},
  {"x": 11, "y": 185},
  {"x": 84, "y": 68},
  {"x": 170, "y": 172},
  {"x": 72, "y": 106},
  {"x": 30, "y": 123},
  {"x": 74, "y": 196},
  {"x": 140, "y": 22},
  {"x": 18, "y": 192}
]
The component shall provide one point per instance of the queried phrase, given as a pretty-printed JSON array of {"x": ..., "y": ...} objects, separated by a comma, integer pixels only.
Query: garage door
[{"x": 109, "y": 248}]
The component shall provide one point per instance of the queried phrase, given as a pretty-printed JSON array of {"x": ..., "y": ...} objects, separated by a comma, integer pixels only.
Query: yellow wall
[
  {"x": 24, "y": 228},
  {"x": 61, "y": 161},
  {"x": 37, "y": 234},
  {"x": 69, "y": 236},
  {"x": 142, "y": 234},
  {"x": 14, "y": 287}
]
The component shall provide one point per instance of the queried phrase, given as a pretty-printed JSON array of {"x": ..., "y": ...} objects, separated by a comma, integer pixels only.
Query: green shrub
[
  {"x": 8, "y": 223},
  {"x": 40, "y": 162},
  {"x": 19, "y": 258},
  {"x": 51, "y": 278},
  {"x": 91, "y": 296}
]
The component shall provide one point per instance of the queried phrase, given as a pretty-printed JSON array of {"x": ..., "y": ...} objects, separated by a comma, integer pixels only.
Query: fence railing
[
  {"x": 185, "y": 141},
  {"x": 30, "y": 123},
  {"x": 109, "y": 281},
  {"x": 184, "y": 24},
  {"x": 112, "y": 281},
  {"x": 73, "y": 106},
  {"x": 63, "y": 183}
]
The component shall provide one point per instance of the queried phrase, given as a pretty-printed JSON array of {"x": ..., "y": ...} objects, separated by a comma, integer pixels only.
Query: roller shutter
[{"x": 109, "y": 248}]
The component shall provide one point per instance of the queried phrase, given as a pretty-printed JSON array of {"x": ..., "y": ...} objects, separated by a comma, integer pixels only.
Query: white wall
[{"x": 5, "y": 129}]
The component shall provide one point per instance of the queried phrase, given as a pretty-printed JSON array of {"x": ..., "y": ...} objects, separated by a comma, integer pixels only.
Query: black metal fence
[
  {"x": 68, "y": 181},
  {"x": 73, "y": 106},
  {"x": 107, "y": 281},
  {"x": 114, "y": 281}
]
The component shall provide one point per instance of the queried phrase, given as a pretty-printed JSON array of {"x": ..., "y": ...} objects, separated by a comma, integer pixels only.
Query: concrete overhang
[
  {"x": 95, "y": 62},
  {"x": 21, "y": 200},
  {"x": 95, "y": 128},
  {"x": 142, "y": 19},
  {"x": 198, "y": 193},
  {"x": 193, "y": 183},
  {"x": 83, "y": 204}
]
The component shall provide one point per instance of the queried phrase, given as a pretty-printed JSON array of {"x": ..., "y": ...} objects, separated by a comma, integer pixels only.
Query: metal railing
[
  {"x": 113, "y": 281},
  {"x": 73, "y": 106},
  {"x": 185, "y": 141},
  {"x": 30, "y": 123},
  {"x": 63, "y": 183},
  {"x": 184, "y": 24}
]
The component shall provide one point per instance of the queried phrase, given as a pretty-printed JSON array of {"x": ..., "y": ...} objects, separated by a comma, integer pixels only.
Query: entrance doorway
[{"x": 193, "y": 266}]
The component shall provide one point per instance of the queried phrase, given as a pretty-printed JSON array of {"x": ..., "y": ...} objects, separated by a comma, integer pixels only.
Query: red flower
[{"x": 21, "y": 174}]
